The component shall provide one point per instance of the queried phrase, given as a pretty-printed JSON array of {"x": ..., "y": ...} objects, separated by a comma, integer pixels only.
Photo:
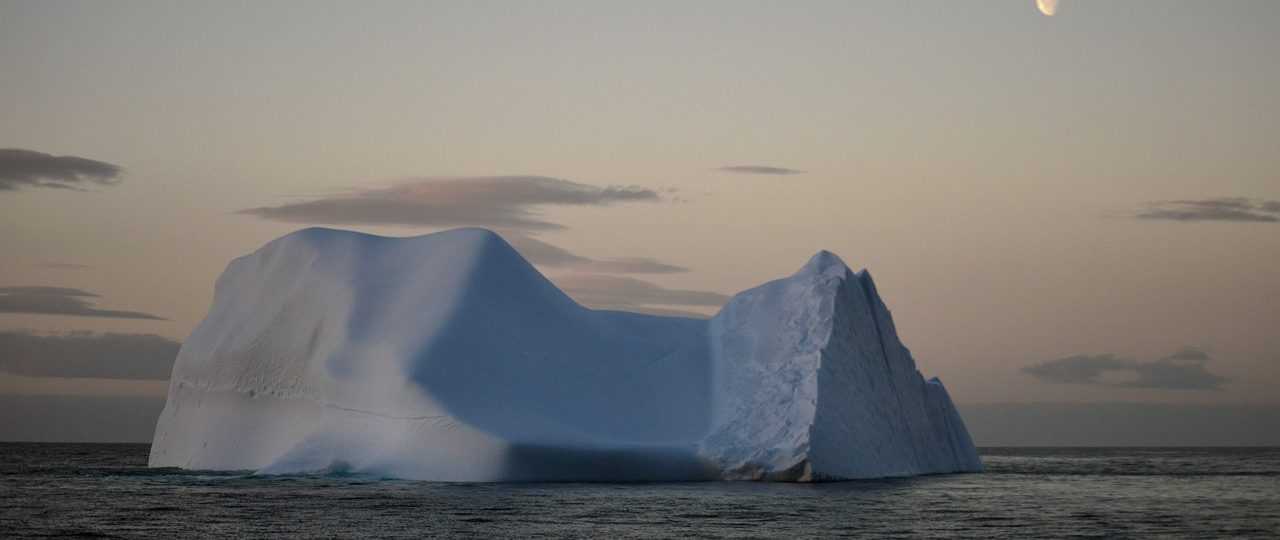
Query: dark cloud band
[
  {"x": 88, "y": 355},
  {"x": 508, "y": 202},
  {"x": 759, "y": 169},
  {"x": 1237, "y": 209},
  {"x": 26, "y": 168},
  {"x": 60, "y": 301},
  {"x": 1182, "y": 370}
]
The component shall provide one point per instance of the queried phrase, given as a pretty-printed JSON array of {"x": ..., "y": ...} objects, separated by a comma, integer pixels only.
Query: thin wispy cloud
[
  {"x": 602, "y": 291},
  {"x": 60, "y": 301},
  {"x": 632, "y": 265},
  {"x": 508, "y": 202},
  {"x": 548, "y": 255},
  {"x": 27, "y": 168},
  {"x": 1182, "y": 370},
  {"x": 1237, "y": 209},
  {"x": 759, "y": 169},
  {"x": 594, "y": 283},
  {"x": 661, "y": 311},
  {"x": 88, "y": 355}
]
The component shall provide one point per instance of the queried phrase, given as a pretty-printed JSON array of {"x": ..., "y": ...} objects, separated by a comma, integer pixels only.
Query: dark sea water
[{"x": 106, "y": 490}]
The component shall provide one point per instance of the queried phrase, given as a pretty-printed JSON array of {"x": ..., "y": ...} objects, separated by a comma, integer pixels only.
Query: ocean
[{"x": 106, "y": 491}]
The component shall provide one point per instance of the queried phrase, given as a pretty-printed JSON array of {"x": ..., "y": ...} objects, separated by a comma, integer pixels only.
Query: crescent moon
[{"x": 1047, "y": 7}]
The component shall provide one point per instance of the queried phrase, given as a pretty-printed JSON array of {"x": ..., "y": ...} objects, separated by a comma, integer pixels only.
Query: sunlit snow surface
[{"x": 448, "y": 357}]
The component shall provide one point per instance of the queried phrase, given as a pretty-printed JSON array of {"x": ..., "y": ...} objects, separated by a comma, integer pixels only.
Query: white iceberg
[{"x": 448, "y": 357}]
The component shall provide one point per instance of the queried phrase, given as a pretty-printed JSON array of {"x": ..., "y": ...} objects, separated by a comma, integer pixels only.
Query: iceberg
[{"x": 448, "y": 357}]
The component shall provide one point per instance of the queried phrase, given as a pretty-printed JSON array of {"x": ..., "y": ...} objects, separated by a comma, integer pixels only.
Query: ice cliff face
[
  {"x": 813, "y": 384},
  {"x": 449, "y": 357}
]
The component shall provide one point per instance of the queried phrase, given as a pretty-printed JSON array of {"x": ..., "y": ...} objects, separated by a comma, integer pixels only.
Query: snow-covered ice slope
[{"x": 448, "y": 357}]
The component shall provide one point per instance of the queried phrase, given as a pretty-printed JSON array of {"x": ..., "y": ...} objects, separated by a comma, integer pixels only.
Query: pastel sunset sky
[{"x": 1083, "y": 208}]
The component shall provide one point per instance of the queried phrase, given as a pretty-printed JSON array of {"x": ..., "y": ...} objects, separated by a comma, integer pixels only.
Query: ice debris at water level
[{"x": 448, "y": 357}]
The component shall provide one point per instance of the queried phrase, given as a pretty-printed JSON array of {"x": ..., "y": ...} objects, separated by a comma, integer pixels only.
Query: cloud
[
  {"x": 759, "y": 169},
  {"x": 591, "y": 284},
  {"x": 87, "y": 355},
  {"x": 662, "y": 312},
  {"x": 601, "y": 291},
  {"x": 26, "y": 168},
  {"x": 1182, "y": 370},
  {"x": 79, "y": 418},
  {"x": 1122, "y": 424},
  {"x": 1238, "y": 209},
  {"x": 60, "y": 301},
  {"x": 1194, "y": 354},
  {"x": 1079, "y": 369},
  {"x": 541, "y": 253},
  {"x": 491, "y": 201},
  {"x": 633, "y": 265}
]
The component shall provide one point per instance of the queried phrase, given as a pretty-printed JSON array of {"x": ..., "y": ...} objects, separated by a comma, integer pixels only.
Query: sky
[{"x": 1080, "y": 209}]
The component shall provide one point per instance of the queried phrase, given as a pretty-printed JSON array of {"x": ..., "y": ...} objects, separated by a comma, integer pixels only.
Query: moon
[{"x": 1047, "y": 7}]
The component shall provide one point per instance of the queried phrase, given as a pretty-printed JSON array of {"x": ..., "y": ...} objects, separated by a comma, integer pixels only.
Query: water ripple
[{"x": 106, "y": 491}]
